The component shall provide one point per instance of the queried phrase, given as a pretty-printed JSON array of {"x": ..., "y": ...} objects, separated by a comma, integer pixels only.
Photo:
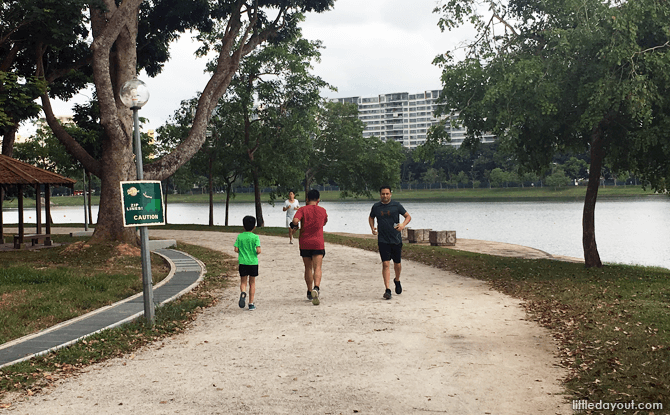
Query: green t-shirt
[{"x": 246, "y": 243}]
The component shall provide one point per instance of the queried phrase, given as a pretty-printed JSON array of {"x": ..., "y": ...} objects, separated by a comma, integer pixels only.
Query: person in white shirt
[{"x": 290, "y": 207}]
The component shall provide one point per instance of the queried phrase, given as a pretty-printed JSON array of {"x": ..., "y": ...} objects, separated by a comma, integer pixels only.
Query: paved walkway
[{"x": 185, "y": 273}]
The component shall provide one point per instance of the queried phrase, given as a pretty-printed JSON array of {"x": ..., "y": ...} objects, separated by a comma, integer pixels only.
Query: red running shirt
[{"x": 312, "y": 218}]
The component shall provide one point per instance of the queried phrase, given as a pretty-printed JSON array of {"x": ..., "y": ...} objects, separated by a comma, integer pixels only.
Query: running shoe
[
  {"x": 398, "y": 287},
  {"x": 315, "y": 297},
  {"x": 242, "y": 297},
  {"x": 252, "y": 307},
  {"x": 387, "y": 294},
  {"x": 309, "y": 295}
]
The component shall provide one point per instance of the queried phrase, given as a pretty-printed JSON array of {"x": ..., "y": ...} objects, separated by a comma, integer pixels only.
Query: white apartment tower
[{"x": 403, "y": 117}]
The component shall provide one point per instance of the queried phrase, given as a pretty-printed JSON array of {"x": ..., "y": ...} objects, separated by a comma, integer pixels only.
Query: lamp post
[{"x": 134, "y": 94}]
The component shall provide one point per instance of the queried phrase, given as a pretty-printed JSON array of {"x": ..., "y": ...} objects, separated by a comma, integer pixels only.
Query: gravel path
[{"x": 447, "y": 344}]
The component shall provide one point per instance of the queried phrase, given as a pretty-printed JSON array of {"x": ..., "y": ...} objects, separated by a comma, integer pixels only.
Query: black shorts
[
  {"x": 308, "y": 253},
  {"x": 390, "y": 252},
  {"x": 250, "y": 270}
]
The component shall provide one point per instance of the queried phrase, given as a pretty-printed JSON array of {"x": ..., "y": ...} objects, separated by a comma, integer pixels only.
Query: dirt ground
[{"x": 447, "y": 344}]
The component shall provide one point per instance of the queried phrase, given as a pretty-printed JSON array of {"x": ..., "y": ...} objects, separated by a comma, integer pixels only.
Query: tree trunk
[
  {"x": 8, "y": 141},
  {"x": 309, "y": 178},
  {"x": 228, "y": 187},
  {"x": 591, "y": 256},
  {"x": 257, "y": 199},
  {"x": 118, "y": 166}
]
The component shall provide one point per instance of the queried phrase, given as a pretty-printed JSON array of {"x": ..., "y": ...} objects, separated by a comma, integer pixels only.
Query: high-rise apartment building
[{"x": 404, "y": 117}]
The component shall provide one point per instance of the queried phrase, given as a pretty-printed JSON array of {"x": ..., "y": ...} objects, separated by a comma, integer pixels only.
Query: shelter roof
[{"x": 13, "y": 171}]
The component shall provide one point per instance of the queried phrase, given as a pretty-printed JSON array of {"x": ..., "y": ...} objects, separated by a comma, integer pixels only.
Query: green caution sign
[{"x": 142, "y": 203}]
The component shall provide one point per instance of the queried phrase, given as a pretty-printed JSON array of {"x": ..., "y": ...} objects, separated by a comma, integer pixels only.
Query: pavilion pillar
[
  {"x": 21, "y": 230},
  {"x": 38, "y": 209},
  {"x": 47, "y": 207}
]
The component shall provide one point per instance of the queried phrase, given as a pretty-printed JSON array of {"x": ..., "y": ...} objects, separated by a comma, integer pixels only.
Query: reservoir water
[{"x": 627, "y": 231}]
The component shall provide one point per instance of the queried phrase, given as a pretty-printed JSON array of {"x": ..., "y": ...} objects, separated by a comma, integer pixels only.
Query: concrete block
[
  {"x": 81, "y": 233},
  {"x": 442, "y": 238},
  {"x": 418, "y": 235}
]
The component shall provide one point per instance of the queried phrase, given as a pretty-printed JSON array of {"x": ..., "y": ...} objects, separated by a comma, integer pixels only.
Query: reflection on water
[{"x": 626, "y": 231}]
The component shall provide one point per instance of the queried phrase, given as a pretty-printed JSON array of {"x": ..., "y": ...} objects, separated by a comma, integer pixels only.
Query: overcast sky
[{"x": 371, "y": 47}]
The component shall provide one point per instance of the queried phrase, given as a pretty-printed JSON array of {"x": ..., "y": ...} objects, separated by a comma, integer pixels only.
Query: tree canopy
[
  {"x": 552, "y": 76},
  {"x": 105, "y": 43},
  {"x": 341, "y": 154}
]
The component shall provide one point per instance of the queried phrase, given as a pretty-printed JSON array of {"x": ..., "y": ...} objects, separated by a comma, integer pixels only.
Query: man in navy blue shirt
[{"x": 389, "y": 236}]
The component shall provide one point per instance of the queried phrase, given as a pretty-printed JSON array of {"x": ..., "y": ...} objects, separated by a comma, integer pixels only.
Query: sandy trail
[{"x": 447, "y": 344}]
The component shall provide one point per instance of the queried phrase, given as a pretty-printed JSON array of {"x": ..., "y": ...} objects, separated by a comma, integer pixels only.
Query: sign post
[
  {"x": 143, "y": 206},
  {"x": 134, "y": 94}
]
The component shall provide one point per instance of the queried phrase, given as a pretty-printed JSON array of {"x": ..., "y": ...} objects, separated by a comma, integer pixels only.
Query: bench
[{"x": 34, "y": 238}]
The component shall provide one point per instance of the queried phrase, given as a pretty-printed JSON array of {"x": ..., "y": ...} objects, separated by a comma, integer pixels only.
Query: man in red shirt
[{"x": 312, "y": 218}]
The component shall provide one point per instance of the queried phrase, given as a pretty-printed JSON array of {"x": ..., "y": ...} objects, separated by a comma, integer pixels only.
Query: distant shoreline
[{"x": 515, "y": 194}]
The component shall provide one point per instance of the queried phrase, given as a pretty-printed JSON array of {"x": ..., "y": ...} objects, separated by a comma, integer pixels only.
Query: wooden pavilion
[{"x": 17, "y": 173}]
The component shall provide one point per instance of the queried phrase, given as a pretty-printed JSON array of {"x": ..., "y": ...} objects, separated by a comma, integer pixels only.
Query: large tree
[
  {"x": 275, "y": 97},
  {"x": 341, "y": 154},
  {"x": 135, "y": 34},
  {"x": 548, "y": 76},
  {"x": 221, "y": 159}
]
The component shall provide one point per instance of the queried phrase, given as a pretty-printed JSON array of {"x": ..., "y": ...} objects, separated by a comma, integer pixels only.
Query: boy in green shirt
[{"x": 248, "y": 246}]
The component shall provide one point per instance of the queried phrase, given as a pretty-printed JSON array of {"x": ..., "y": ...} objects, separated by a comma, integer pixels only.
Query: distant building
[{"x": 404, "y": 117}]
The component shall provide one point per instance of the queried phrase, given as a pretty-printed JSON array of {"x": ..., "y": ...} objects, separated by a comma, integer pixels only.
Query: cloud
[
  {"x": 377, "y": 46},
  {"x": 371, "y": 47},
  {"x": 182, "y": 78}
]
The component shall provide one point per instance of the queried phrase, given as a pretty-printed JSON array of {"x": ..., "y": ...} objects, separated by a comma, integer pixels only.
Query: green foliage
[
  {"x": 557, "y": 178},
  {"x": 546, "y": 77},
  {"x": 498, "y": 177},
  {"x": 46, "y": 152},
  {"x": 342, "y": 155},
  {"x": 549, "y": 77},
  {"x": 222, "y": 146},
  {"x": 17, "y": 99},
  {"x": 459, "y": 165},
  {"x": 53, "y": 32},
  {"x": 270, "y": 111},
  {"x": 576, "y": 168}
]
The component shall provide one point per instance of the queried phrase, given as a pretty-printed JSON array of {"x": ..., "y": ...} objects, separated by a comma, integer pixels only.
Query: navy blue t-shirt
[{"x": 388, "y": 215}]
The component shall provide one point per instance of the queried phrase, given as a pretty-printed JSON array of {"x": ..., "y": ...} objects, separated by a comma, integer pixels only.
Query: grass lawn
[
  {"x": 31, "y": 376},
  {"x": 41, "y": 288},
  {"x": 611, "y": 324}
]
